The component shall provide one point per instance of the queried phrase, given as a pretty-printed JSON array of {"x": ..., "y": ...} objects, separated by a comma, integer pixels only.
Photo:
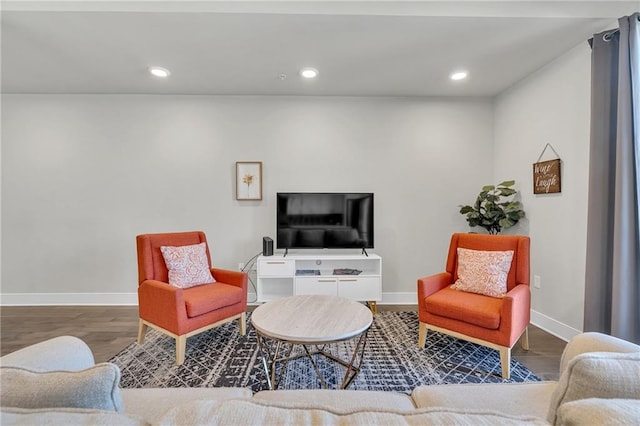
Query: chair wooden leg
[
  {"x": 505, "y": 362},
  {"x": 242, "y": 322},
  {"x": 142, "y": 330},
  {"x": 525, "y": 339},
  {"x": 181, "y": 347},
  {"x": 422, "y": 335}
]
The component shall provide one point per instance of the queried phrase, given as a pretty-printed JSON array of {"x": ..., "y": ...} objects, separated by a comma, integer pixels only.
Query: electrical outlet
[
  {"x": 536, "y": 281},
  {"x": 240, "y": 266}
]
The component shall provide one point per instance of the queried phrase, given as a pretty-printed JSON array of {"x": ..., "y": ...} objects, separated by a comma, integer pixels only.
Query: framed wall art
[{"x": 248, "y": 180}]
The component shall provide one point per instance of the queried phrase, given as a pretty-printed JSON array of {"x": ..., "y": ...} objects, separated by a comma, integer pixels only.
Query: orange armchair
[
  {"x": 497, "y": 323},
  {"x": 178, "y": 312}
]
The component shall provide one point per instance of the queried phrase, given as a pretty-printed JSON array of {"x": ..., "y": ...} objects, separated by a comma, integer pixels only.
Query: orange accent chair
[
  {"x": 182, "y": 313},
  {"x": 497, "y": 323}
]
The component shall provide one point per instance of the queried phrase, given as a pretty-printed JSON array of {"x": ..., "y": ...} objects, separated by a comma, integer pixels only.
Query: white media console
[{"x": 281, "y": 276}]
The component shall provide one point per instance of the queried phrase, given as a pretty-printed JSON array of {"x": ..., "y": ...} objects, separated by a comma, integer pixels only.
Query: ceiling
[{"x": 361, "y": 48}]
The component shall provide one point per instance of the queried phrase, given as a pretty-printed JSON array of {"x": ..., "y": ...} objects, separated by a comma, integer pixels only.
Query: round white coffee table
[{"x": 310, "y": 320}]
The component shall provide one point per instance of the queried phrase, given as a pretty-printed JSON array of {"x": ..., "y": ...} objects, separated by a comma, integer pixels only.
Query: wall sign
[{"x": 546, "y": 174}]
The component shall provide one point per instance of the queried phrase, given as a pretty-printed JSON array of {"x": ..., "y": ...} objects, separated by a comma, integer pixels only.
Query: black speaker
[{"x": 267, "y": 246}]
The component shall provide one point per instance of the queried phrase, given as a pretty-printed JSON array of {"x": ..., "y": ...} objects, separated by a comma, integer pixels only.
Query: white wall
[
  {"x": 551, "y": 106},
  {"x": 83, "y": 174}
]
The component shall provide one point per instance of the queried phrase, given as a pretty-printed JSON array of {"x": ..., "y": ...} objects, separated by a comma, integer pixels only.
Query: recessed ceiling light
[
  {"x": 309, "y": 72},
  {"x": 159, "y": 72},
  {"x": 458, "y": 75}
]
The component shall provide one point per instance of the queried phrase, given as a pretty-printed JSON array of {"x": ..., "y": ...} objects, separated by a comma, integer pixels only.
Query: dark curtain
[{"x": 612, "y": 292}]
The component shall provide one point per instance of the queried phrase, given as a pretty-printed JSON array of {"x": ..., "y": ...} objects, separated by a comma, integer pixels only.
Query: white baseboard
[
  {"x": 59, "y": 299},
  {"x": 553, "y": 326}
]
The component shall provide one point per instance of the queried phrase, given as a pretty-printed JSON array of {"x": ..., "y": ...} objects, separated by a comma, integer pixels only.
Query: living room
[
  {"x": 83, "y": 173},
  {"x": 96, "y": 151}
]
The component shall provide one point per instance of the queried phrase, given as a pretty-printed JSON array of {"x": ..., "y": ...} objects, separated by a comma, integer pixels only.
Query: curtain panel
[{"x": 612, "y": 288}]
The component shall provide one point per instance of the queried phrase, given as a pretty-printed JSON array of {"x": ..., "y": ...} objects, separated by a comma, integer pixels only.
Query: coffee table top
[{"x": 311, "y": 319}]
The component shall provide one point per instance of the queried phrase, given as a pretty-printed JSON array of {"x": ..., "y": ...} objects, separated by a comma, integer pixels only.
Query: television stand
[{"x": 353, "y": 276}]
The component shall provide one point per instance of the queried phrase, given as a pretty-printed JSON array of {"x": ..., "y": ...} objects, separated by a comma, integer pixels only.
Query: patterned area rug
[{"x": 392, "y": 360}]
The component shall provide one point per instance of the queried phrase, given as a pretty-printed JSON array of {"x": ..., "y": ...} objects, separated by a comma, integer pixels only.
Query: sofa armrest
[
  {"x": 162, "y": 305},
  {"x": 516, "y": 311},
  {"x": 235, "y": 278},
  {"x": 227, "y": 276},
  {"x": 431, "y": 284},
  {"x": 64, "y": 353},
  {"x": 610, "y": 375},
  {"x": 594, "y": 342}
]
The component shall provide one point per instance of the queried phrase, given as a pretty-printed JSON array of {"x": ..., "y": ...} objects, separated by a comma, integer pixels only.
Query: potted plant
[{"x": 491, "y": 212}]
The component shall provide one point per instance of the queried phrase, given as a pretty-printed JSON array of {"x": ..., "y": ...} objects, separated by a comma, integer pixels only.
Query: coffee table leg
[
  {"x": 270, "y": 360},
  {"x": 270, "y": 364},
  {"x": 315, "y": 367},
  {"x": 284, "y": 360},
  {"x": 274, "y": 366},
  {"x": 264, "y": 353},
  {"x": 352, "y": 371}
]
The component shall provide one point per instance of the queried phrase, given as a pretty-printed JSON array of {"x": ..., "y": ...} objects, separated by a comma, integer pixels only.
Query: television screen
[{"x": 324, "y": 220}]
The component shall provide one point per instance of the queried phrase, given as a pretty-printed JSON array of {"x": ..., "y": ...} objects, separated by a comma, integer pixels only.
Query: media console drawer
[
  {"x": 359, "y": 288},
  {"x": 316, "y": 285},
  {"x": 276, "y": 267}
]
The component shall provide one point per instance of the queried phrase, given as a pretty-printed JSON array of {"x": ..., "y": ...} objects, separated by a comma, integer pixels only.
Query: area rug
[{"x": 392, "y": 360}]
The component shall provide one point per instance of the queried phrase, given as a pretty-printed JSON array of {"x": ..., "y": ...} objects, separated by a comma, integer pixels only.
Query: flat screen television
[{"x": 324, "y": 220}]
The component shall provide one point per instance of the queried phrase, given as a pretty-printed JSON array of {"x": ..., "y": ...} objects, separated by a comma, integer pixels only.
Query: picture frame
[
  {"x": 547, "y": 177},
  {"x": 248, "y": 180}
]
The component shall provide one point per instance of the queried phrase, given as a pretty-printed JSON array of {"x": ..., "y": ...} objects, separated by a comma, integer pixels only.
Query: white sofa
[{"x": 57, "y": 382}]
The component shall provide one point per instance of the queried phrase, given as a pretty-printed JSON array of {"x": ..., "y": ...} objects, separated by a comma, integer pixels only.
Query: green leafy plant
[{"x": 491, "y": 212}]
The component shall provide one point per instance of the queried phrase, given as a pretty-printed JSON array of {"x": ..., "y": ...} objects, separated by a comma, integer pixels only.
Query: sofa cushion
[
  {"x": 94, "y": 388},
  {"x": 483, "y": 272},
  {"x": 476, "y": 309},
  {"x": 65, "y": 417},
  {"x": 151, "y": 403},
  {"x": 597, "y": 375},
  {"x": 339, "y": 400},
  {"x": 599, "y": 411},
  {"x": 254, "y": 412},
  {"x": 188, "y": 265},
  {"x": 210, "y": 297},
  {"x": 530, "y": 398}
]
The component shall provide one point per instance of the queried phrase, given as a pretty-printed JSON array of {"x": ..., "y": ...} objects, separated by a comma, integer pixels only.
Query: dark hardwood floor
[
  {"x": 109, "y": 329},
  {"x": 106, "y": 329}
]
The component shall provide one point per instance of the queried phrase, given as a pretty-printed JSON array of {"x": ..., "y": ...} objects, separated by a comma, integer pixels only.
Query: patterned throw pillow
[
  {"x": 187, "y": 265},
  {"x": 483, "y": 272}
]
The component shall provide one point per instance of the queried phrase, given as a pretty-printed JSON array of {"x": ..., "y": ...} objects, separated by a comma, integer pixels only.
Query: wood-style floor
[{"x": 109, "y": 329}]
